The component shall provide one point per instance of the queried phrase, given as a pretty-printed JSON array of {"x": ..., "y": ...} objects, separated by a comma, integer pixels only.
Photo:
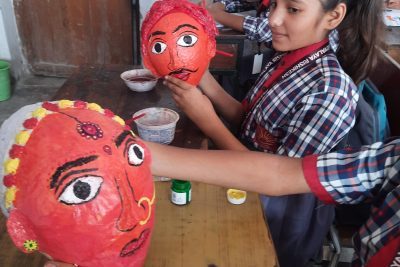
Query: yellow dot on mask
[
  {"x": 22, "y": 137},
  {"x": 39, "y": 113},
  {"x": 95, "y": 107},
  {"x": 65, "y": 103},
  {"x": 31, "y": 245},
  {"x": 119, "y": 120},
  {"x": 10, "y": 196},
  {"x": 11, "y": 166}
]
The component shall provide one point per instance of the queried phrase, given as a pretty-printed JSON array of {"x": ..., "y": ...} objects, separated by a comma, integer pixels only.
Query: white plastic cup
[{"x": 157, "y": 125}]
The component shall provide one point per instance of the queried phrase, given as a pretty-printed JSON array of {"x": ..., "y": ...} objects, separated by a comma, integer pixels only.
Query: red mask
[
  {"x": 85, "y": 192},
  {"x": 179, "y": 46}
]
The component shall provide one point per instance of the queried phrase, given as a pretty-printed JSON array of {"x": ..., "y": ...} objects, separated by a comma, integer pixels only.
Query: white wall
[
  {"x": 144, "y": 7},
  {"x": 9, "y": 34},
  {"x": 4, "y": 49}
]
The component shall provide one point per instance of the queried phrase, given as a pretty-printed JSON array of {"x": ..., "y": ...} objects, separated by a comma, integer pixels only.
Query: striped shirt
[
  {"x": 308, "y": 112},
  {"x": 370, "y": 174}
]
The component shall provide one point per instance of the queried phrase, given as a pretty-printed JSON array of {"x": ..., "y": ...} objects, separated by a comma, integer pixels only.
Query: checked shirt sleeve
[
  {"x": 231, "y": 5},
  {"x": 257, "y": 29},
  {"x": 370, "y": 174},
  {"x": 350, "y": 177}
]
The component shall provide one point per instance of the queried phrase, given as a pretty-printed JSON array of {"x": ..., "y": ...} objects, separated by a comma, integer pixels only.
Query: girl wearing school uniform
[{"x": 302, "y": 103}]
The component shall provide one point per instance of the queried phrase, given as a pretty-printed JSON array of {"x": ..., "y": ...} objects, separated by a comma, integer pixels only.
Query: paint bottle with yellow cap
[{"x": 181, "y": 192}]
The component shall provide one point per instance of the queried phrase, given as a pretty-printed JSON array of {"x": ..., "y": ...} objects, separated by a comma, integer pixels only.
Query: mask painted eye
[
  {"x": 81, "y": 190},
  {"x": 135, "y": 155},
  {"x": 187, "y": 40},
  {"x": 158, "y": 48}
]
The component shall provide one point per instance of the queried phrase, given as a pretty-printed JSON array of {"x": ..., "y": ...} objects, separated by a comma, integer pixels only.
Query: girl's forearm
[
  {"x": 229, "y": 20},
  {"x": 227, "y": 106},
  {"x": 251, "y": 171},
  {"x": 216, "y": 130}
]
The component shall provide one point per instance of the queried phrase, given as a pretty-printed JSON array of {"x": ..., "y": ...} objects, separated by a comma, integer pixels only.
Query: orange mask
[
  {"x": 82, "y": 191},
  {"x": 178, "y": 45}
]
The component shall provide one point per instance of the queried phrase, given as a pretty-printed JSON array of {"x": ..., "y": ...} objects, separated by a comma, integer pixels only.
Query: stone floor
[{"x": 28, "y": 90}]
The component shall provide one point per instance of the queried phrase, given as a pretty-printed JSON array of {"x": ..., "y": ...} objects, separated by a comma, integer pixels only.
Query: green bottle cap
[{"x": 180, "y": 185}]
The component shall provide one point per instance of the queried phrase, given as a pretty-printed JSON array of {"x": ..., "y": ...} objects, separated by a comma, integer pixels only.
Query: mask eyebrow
[
  {"x": 68, "y": 165},
  {"x": 120, "y": 138},
  {"x": 185, "y": 25},
  {"x": 156, "y": 33},
  {"x": 73, "y": 173}
]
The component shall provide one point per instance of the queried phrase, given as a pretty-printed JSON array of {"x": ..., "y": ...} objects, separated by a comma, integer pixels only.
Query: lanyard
[{"x": 292, "y": 62}]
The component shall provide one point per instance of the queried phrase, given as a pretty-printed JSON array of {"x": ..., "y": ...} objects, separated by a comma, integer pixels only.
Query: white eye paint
[
  {"x": 187, "y": 40},
  {"x": 81, "y": 190},
  {"x": 135, "y": 155},
  {"x": 158, "y": 47}
]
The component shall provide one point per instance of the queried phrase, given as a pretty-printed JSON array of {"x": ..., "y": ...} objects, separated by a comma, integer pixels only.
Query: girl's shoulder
[
  {"x": 333, "y": 73},
  {"x": 333, "y": 79}
]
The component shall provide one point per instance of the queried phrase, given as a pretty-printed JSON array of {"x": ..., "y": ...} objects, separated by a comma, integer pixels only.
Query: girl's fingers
[
  {"x": 178, "y": 82},
  {"x": 174, "y": 89}
]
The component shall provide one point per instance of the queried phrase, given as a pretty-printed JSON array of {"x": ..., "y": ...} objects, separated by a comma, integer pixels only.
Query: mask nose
[
  {"x": 132, "y": 211},
  {"x": 173, "y": 59}
]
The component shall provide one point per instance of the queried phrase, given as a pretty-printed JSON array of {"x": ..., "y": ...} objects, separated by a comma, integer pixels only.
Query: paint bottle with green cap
[{"x": 181, "y": 192}]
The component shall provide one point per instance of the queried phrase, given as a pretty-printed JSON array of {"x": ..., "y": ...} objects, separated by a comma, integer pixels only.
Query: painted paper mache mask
[
  {"x": 178, "y": 39},
  {"x": 76, "y": 184}
]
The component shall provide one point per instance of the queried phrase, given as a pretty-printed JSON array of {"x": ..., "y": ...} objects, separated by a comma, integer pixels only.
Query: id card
[{"x": 257, "y": 63}]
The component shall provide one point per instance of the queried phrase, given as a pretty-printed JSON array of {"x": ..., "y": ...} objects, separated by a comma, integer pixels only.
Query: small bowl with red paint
[{"x": 139, "y": 80}]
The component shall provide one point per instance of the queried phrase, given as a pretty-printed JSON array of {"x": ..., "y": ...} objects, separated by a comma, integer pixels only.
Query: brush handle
[
  {"x": 135, "y": 118},
  {"x": 223, "y": 53}
]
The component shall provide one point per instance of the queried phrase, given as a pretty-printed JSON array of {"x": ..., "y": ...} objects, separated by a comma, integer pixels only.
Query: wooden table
[{"x": 207, "y": 232}]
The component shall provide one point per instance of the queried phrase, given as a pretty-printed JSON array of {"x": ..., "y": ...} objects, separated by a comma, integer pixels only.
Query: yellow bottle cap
[{"x": 236, "y": 196}]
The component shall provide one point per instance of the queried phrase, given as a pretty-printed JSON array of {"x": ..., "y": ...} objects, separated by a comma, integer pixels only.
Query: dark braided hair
[{"x": 359, "y": 33}]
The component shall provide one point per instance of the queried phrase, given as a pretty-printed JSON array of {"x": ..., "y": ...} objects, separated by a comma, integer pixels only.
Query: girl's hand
[
  {"x": 204, "y": 82},
  {"x": 191, "y": 100}
]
